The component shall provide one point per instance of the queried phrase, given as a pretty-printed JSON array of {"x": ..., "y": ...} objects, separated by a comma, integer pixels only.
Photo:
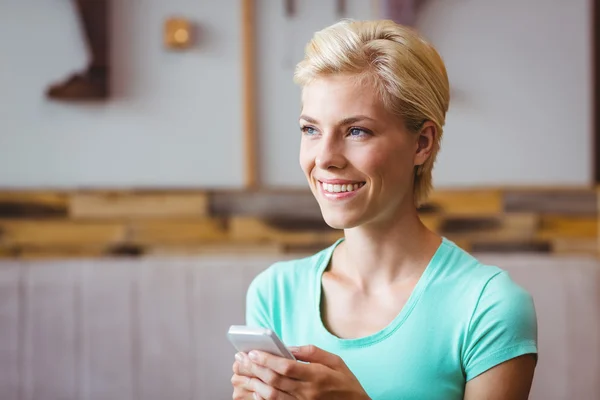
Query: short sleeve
[
  {"x": 503, "y": 326},
  {"x": 257, "y": 302}
]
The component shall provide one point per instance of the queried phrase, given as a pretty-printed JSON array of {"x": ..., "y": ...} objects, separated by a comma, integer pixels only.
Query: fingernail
[
  {"x": 256, "y": 397},
  {"x": 294, "y": 349},
  {"x": 239, "y": 357},
  {"x": 253, "y": 356}
]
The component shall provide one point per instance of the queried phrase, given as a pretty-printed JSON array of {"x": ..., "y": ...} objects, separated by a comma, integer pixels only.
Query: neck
[{"x": 390, "y": 252}]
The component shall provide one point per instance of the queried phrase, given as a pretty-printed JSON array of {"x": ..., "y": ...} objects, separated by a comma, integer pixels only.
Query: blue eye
[
  {"x": 357, "y": 132},
  {"x": 308, "y": 130}
]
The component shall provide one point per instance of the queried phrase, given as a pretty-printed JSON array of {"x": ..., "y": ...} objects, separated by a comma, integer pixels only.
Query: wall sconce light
[{"x": 178, "y": 33}]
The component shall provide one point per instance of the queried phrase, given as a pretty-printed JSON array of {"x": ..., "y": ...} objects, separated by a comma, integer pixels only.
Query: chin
[{"x": 339, "y": 220}]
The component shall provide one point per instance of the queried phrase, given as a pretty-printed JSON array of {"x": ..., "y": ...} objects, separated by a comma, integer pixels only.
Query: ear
[{"x": 425, "y": 142}]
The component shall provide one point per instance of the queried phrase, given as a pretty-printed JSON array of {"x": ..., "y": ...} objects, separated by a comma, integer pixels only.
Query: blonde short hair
[{"x": 406, "y": 70}]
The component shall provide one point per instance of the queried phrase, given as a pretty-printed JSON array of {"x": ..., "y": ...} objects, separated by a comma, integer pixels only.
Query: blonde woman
[{"x": 392, "y": 310}]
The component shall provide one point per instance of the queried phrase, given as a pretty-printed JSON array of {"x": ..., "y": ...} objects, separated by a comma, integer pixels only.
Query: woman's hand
[
  {"x": 240, "y": 379},
  {"x": 326, "y": 376}
]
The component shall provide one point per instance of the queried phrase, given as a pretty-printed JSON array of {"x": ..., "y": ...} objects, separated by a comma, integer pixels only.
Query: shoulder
[
  {"x": 506, "y": 306},
  {"x": 499, "y": 315},
  {"x": 475, "y": 279}
]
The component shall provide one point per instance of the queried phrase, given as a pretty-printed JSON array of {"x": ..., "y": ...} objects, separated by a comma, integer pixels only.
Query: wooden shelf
[{"x": 52, "y": 224}]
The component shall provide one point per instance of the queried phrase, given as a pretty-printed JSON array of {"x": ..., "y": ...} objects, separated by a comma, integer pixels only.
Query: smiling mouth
[{"x": 341, "y": 188}]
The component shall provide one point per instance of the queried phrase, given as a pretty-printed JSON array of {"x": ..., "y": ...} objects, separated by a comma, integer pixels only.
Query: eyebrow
[{"x": 345, "y": 121}]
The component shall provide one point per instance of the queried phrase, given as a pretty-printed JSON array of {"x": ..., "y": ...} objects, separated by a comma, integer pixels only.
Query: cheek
[{"x": 392, "y": 164}]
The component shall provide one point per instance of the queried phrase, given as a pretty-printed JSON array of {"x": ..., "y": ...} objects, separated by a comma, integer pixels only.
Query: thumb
[{"x": 313, "y": 354}]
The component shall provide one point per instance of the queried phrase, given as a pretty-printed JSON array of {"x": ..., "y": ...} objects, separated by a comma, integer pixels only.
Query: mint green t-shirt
[{"x": 461, "y": 319}]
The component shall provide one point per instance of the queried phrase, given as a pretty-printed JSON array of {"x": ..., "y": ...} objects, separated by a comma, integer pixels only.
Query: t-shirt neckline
[{"x": 380, "y": 335}]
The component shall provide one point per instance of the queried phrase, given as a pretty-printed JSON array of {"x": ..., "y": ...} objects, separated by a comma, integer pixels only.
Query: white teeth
[{"x": 328, "y": 187}]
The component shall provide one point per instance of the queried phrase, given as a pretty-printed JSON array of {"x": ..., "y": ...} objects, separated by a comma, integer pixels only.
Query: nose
[{"x": 330, "y": 153}]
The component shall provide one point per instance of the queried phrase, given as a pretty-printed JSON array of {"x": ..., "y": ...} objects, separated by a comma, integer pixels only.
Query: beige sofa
[{"x": 155, "y": 328}]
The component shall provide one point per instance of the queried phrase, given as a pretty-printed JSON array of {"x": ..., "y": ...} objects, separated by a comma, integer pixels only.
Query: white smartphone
[{"x": 246, "y": 339}]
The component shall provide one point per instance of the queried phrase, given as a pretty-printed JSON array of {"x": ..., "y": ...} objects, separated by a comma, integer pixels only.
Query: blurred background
[{"x": 148, "y": 171}]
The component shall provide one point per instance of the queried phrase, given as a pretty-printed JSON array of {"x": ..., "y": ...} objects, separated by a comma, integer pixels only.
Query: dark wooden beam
[
  {"x": 596, "y": 85},
  {"x": 249, "y": 93}
]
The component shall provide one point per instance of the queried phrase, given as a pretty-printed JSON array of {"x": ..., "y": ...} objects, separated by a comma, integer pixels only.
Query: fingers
[
  {"x": 246, "y": 388},
  {"x": 242, "y": 365},
  {"x": 239, "y": 392},
  {"x": 314, "y": 354},
  {"x": 240, "y": 380},
  {"x": 249, "y": 369},
  {"x": 282, "y": 366},
  {"x": 267, "y": 392}
]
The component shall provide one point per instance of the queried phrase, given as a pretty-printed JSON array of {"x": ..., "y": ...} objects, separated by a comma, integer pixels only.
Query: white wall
[
  {"x": 175, "y": 119},
  {"x": 522, "y": 74},
  {"x": 520, "y": 70}
]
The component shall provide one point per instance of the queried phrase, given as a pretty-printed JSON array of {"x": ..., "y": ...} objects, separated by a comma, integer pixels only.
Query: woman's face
[{"x": 358, "y": 158}]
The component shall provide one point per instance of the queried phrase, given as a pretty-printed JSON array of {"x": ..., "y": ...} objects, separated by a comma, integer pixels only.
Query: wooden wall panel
[
  {"x": 53, "y": 252},
  {"x": 585, "y": 341},
  {"x": 471, "y": 202},
  {"x": 128, "y": 205},
  {"x": 229, "y": 248},
  {"x": 510, "y": 227},
  {"x": 33, "y": 204},
  {"x": 578, "y": 246},
  {"x": 213, "y": 325},
  {"x": 165, "y": 333},
  {"x": 109, "y": 346},
  {"x": 10, "y": 330},
  {"x": 134, "y": 223},
  {"x": 557, "y": 226},
  {"x": 177, "y": 232},
  {"x": 59, "y": 233},
  {"x": 51, "y": 347},
  {"x": 254, "y": 229},
  {"x": 265, "y": 204},
  {"x": 558, "y": 201},
  {"x": 155, "y": 328}
]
